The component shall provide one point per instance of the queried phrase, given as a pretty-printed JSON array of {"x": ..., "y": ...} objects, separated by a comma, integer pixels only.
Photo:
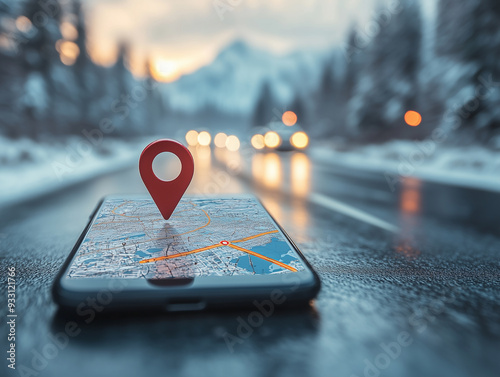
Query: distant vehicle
[{"x": 278, "y": 136}]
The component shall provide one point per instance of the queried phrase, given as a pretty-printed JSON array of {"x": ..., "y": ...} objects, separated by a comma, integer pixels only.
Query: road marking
[{"x": 345, "y": 209}]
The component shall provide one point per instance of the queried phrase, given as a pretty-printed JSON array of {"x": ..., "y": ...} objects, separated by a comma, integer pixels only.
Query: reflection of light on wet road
[
  {"x": 273, "y": 175},
  {"x": 300, "y": 181},
  {"x": 274, "y": 207},
  {"x": 210, "y": 180},
  {"x": 220, "y": 155},
  {"x": 270, "y": 171},
  {"x": 410, "y": 195},
  {"x": 267, "y": 170},
  {"x": 233, "y": 160},
  {"x": 410, "y": 205},
  {"x": 203, "y": 166},
  {"x": 257, "y": 167},
  {"x": 300, "y": 174},
  {"x": 300, "y": 218},
  {"x": 202, "y": 157},
  {"x": 406, "y": 249}
]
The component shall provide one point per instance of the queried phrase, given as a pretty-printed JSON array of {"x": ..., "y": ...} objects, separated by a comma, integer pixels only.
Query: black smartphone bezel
[{"x": 132, "y": 294}]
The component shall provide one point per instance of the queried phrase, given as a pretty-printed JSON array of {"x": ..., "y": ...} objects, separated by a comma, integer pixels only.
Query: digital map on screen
[{"x": 203, "y": 237}]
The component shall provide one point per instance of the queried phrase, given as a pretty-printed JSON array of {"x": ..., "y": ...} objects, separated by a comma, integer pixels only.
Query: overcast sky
[{"x": 191, "y": 32}]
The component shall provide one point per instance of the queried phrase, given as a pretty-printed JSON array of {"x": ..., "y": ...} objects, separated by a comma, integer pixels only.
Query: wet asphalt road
[{"x": 410, "y": 278}]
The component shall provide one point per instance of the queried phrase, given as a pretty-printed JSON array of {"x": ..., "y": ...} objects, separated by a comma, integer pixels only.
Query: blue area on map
[
  {"x": 140, "y": 254},
  {"x": 154, "y": 250},
  {"x": 276, "y": 249}
]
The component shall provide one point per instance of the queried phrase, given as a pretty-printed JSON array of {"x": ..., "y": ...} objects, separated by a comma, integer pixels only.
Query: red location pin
[{"x": 166, "y": 194}]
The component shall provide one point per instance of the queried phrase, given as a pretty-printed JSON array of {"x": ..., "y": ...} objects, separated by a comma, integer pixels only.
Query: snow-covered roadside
[
  {"x": 472, "y": 166},
  {"x": 29, "y": 169}
]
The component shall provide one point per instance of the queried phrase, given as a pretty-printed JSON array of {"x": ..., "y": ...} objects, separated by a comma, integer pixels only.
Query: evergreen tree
[
  {"x": 298, "y": 107},
  {"x": 326, "y": 101},
  {"x": 469, "y": 39},
  {"x": 122, "y": 103},
  {"x": 12, "y": 75},
  {"x": 39, "y": 55},
  {"x": 388, "y": 85},
  {"x": 83, "y": 67},
  {"x": 353, "y": 56},
  {"x": 263, "y": 112},
  {"x": 154, "y": 108}
]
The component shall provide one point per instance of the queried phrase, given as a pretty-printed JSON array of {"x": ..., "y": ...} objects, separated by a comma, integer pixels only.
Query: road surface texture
[{"x": 410, "y": 281}]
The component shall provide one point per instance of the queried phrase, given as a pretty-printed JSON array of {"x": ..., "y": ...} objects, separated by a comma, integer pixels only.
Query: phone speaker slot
[{"x": 185, "y": 304}]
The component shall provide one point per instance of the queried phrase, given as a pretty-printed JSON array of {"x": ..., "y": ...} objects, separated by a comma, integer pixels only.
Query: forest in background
[
  {"x": 50, "y": 86},
  {"x": 447, "y": 70}
]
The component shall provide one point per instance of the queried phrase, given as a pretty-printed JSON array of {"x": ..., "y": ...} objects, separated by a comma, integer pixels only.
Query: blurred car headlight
[
  {"x": 204, "y": 138},
  {"x": 299, "y": 140},
  {"x": 192, "y": 138},
  {"x": 257, "y": 141},
  {"x": 220, "y": 140},
  {"x": 272, "y": 139},
  {"x": 232, "y": 143}
]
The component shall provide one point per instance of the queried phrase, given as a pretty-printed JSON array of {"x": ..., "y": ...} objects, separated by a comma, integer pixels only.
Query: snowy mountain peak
[
  {"x": 237, "y": 47},
  {"x": 232, "y": 82}
]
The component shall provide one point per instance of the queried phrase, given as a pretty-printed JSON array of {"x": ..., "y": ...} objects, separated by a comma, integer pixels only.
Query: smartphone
[{"x": 213, "y": 252}]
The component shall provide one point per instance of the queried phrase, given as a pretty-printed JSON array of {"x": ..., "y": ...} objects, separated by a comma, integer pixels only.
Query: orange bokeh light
[
  {"x": 413, "y": 118},
  {"x": 289, "y": 118}
]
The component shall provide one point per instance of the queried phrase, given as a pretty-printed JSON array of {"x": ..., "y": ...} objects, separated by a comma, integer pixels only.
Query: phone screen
[{"x": 203, "y": 237}]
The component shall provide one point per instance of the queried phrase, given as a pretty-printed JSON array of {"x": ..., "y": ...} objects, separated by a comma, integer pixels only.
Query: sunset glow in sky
[{"x": 181, "y": 36}]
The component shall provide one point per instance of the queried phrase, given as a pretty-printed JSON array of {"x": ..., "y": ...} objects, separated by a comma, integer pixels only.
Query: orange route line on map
[
  {"x": 201, "y": 227},
  {"x": 230, "y": 245},
  {"x": 281, "y": 264},
  {"x": 251, "y": 237}
]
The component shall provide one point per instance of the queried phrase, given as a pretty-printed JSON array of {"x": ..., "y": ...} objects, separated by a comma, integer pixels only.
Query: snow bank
[
  {"x": 472, "y": 166},
  {"x": 29, "y": 168}
]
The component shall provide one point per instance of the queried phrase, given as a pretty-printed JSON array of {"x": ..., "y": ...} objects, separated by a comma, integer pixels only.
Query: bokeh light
[
  {"x": 299, "y": 140},
  {"x": 413, "y": 118},
  {"x": 232, "y": 143},
  {"x": 204, "y": 138},
  {"x": 272, "y": 139},
  {"x": 289, "y": 118},
  {"x": 257, "y": 141},
  {"x": 23, "y": 24},
  {"x": 192, "y": 138},
  {"x": 220, "y": 140},
  {"x": 68, "y": 31},
  {"x": 68, "y": 51}
]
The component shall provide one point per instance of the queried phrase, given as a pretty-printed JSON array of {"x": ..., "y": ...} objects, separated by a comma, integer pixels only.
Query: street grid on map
[{"x": 203, "y": 237}]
